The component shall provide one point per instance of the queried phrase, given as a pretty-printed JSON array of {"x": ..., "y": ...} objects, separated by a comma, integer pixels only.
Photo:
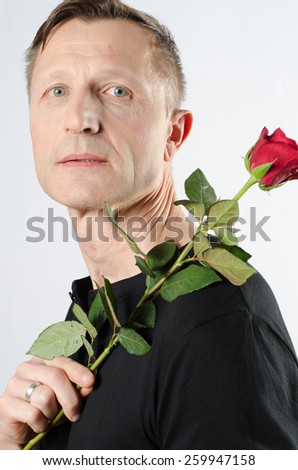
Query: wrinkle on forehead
[
  {"x": 86, "y": 49},
  {"x": 57, "y": 62},
  {"x": 129, "y": 34},
  {"x": 119, "y": 39}
]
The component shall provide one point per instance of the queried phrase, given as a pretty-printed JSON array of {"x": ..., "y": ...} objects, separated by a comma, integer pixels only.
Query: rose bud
[{"x": 278, "y": 156}]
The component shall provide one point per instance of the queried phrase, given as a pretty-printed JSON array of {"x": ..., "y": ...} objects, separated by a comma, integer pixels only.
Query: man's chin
[{"x": 78, "y": 203}]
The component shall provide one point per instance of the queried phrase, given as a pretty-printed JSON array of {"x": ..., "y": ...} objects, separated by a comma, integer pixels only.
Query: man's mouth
[{"x": 82, "y": 159}]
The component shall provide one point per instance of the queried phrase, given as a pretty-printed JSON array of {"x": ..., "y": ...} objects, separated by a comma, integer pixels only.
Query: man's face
[{"x": 98, "y": 114}]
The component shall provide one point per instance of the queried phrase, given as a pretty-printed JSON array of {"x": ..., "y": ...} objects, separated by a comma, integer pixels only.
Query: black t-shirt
[{"x": 222, "y": 374}]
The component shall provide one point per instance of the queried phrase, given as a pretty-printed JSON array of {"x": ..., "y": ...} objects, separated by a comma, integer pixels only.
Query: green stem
[
  {"x": 151, "y": 293},
  {"x": 249, "y": 183},
  {"x": 35, "y": 440},
  {"x": 104, "y": 354}
]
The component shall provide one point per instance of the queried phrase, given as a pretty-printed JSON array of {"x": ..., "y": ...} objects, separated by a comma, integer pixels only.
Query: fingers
[
  {"x": 18, "y": 422},
  {"x": 57, "y": 378},
  {"x": 21, "y": 414},
  {"x": 76, "y": 372},
  {"x": 44, "y": 398}
]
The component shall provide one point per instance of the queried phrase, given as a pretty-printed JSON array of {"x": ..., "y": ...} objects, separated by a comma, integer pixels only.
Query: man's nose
[{"x": 83, "y": 115}]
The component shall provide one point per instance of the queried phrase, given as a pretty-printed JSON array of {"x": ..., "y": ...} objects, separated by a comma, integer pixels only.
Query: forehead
[{"x": 115, "y": 40}]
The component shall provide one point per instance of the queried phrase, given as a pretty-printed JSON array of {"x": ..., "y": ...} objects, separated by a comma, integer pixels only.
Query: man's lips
[{"x": 82, "y": 159}]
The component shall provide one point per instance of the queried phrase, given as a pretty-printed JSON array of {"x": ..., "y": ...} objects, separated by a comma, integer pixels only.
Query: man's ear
[{"x": 181, "y": 123}]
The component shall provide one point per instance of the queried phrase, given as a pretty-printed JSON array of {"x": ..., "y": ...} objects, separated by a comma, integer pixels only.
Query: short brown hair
[{"x": 168, "y": 58}]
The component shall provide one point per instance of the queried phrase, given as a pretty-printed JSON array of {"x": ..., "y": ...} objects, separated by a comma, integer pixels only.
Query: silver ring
[{"x": 30, "y": 390}]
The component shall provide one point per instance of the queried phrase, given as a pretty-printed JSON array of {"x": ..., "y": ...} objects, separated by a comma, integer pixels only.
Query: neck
[{"x": 149, "y": 222}]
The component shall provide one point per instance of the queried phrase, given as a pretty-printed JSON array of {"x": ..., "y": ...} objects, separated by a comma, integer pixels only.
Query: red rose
[{"x": 280, "y": 150}]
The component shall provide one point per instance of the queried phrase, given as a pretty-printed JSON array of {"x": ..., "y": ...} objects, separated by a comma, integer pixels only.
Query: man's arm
[{"x": 231, "y": 383}]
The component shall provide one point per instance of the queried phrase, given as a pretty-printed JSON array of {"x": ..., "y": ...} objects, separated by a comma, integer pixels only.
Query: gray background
[{"x": 240, "y": 58}]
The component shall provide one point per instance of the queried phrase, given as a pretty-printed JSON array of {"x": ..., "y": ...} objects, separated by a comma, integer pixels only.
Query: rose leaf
[
  {"x": 83, "y": 318},
  {"x": 188, "y": 280},
  {"x": 133, "y": 342},
  {"x": 225, "y": 212},
  {"x": 97, "y": 314},
  {"x": 230, "y": 266},
  {"x": 198, "y": 189},
  {"x": 61, "y": 339},
  {"x": 161, "y": 254},
  {"x": 197, "y": 209},
  {"x": 144, "y": 316}
]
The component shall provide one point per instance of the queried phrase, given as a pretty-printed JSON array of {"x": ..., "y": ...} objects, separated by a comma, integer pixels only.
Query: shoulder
[{"x": 223, "y": 312}]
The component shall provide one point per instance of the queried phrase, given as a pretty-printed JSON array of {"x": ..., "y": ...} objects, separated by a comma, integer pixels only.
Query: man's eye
[
  {"x": 57, "y": 91},
  {"x": 117, "y": 91}
]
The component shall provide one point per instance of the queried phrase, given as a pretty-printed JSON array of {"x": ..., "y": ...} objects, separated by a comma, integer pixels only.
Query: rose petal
[
  {"x": 279, "y": 136},
  {"x": 280, "y": 150}
]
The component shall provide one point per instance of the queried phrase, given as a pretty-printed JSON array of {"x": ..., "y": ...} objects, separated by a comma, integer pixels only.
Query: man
[{"x": 106, "y": 85}]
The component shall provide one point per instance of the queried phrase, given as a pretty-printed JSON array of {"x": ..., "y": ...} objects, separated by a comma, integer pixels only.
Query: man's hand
[{"x": 20, "y": 419}]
